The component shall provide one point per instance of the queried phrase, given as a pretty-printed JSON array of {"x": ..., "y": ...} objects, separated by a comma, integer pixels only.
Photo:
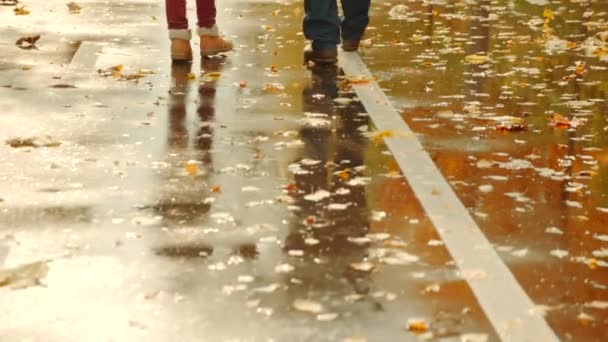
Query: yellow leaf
[
  {"x": 548, "y": 14},
  {"x": 344, "y": 174},
  {"x": 21, "y": 10},
  {"x": 191, "y": 168},
  {"x": 191, "y": 76},
  {"x": 379, "y": 136},
  {"x": 476, "y": 59},
  {"x": 213, "y": 74},
  {"x": 417, "y": 326},
  {"x": 357, "y": 79}
]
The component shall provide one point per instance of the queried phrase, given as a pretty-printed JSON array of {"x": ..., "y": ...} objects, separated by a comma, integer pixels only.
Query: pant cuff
[
  {"x": 321, "y": 45},
  {"x": 208, "y": 31},
  {"x": 180, "y": 34}
]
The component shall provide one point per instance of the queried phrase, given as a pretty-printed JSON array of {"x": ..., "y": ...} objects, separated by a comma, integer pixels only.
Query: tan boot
[
  {"x": 180, "y": 45},
  {"x": 212, "y": 43}
]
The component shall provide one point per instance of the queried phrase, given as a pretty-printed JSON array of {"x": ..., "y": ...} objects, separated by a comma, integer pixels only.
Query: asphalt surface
[{"x": 248, "y": 197}]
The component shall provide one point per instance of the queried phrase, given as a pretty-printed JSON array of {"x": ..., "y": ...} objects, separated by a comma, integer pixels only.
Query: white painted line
[
  {"x": 82, "y": 64},
  {"x": 504, "y": 302}
]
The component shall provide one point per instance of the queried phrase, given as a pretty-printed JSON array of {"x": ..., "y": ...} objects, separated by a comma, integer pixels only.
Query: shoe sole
[
  {"x": 207, "y": 53},
  {"x": 321, "y": 60},
  {"x": 181, "y": 58}
]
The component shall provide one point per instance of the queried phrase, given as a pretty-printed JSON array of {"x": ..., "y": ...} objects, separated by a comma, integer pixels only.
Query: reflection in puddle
[
  {"x": 11, "y": 217},
  {"x": 185, "y": 251}
]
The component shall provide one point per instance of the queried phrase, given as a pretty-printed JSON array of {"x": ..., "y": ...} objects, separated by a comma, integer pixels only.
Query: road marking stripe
[
  {"x": 505, "y": 303},
  {"x": 82, "y": 63}
]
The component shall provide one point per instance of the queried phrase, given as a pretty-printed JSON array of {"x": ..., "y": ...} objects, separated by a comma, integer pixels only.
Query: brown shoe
[
  {"x": 181, "y": 50},
  {"x": 328, "y": 56},
  {"x": 212, "y": 43},
  {"x": 180, "y": 45},
  {"x": 350, "y": 45}
]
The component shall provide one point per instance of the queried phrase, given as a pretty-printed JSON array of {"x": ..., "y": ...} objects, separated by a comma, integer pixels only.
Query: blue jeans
[{"x": 324, "y": 27}]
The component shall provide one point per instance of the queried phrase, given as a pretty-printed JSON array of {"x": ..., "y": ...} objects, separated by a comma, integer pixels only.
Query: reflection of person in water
[
  {"x": 319, "y": 230},
  {"x": 183, "y": 202},
  {"x": 184, "y": 193}
]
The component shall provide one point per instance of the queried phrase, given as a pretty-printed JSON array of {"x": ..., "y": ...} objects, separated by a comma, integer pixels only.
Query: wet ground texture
[{"x": 248, "y": 197}]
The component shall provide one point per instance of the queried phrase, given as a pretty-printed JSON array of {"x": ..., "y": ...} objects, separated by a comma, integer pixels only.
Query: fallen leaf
[
  {"x": 21, "y": 10},
  {"x": 477, "y": 59},
  {"x": 364, "y": 266},
  {"x": 32, "y": 142},
  {"x": 273, "y": 87},
  {"x": 596, "y": 304},
  {"x": 584, "y": 318},
  {"x": 326, "y": 317},
  {"x": 379, "y": 136},
  {"x": 417, "y": 325},
  {"x": 317, "y": 195},
  {"x": 27, "y": 43},
  {"x": 191, "y": 167},
  {"x": 73, "y": 7},
  {"x": 350, "y": 80},
  {"x": 308, "y": 306}
]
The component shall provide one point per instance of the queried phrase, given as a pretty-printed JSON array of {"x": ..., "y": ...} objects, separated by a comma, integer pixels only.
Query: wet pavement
[{"x": 247, "y": 197}]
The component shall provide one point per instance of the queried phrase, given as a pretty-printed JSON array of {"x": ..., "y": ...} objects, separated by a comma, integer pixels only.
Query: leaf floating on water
[
  {"x": 596, "y": 304},
  {"x": 21, "y": 10},
  {"x": 268, "y": 289},
  {"x": 326, "y": 317},
  {"x": 317, "y": 195},
  {"x": 417, "y": 325},
  {"x": 477, "y": 59},
  {"x": 560, "y": 121},
  {"x": 308, "y": 306},
  {"x": 554, "y": 230},
  {"x": 379, "y": 136},
  {"x": 360, "y": 241},
  {"x": 601, "y": 237},
  {"x": 73, "y": 7},
  {"x": 350, "y": 80},
  {"x": 343, "y": 101},
  {"x": 24, "y": 276},
  {"x": 559, "y": 253},
  {"x": 273, "y": 87},
  {"x": 32, "y": 142},
  {"x": 399, "y": 12},
  {"x": 364, "y": 266},
  {"x": 284, "y": 268},
  {"x": 27, "y": 43},
  {"x": 584, "y": 318}
]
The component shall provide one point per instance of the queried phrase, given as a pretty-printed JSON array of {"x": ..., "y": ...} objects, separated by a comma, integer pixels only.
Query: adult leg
[
  {"x": 356, "y": 19},
  {"x": 322, "y": 24}
]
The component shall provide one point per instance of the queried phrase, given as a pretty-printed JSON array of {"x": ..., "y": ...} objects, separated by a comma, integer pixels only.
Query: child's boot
[
  {"x": 212, "y": 43},
  {"x": 180, "y": 45}
]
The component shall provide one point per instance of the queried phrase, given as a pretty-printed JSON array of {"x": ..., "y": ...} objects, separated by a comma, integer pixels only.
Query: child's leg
[
  {"x": 176, "y": 14},
  {"x": 206, "y": 12},
  {"x": 212, "y": 42},
  {"x": 178, "y": 30}
]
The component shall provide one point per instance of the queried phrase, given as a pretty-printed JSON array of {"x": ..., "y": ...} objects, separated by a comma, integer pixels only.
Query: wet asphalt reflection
[{"x": 244, "y": 197}]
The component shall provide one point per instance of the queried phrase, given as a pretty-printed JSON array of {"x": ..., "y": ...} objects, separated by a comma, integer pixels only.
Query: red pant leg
[
  {"x": 206, "y": 13},
  {"x": 176, "y": 14}
]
